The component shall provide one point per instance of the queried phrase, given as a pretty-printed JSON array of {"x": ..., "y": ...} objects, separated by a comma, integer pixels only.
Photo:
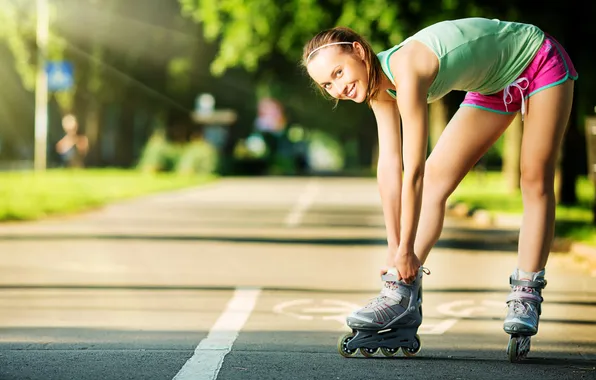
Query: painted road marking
[
  {"x": 467, "y": 308},
  {"x": 454, "y": 309},
  {"x": 337, "y": 310},
  {"x": 208, "y": 357},
  {"x": 304, "y": 202},
  {"x": 436, "y": 328},
  {"x": 307, "y": 309}
]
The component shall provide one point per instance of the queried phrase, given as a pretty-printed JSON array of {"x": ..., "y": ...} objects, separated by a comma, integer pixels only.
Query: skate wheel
[
  {"x": 525, "y": 346},
  {"x": 389, "y": 352},
  {"x": 518, "y": 348},
  {"x": 409, "y": 352},
  {"x": 342, "y": 346},
  {"x": 368, "y": 352},
  {"x": 512, "y": 349}
]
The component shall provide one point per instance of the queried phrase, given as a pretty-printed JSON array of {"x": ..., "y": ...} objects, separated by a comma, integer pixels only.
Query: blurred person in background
[{"x": 73, "y": 147}]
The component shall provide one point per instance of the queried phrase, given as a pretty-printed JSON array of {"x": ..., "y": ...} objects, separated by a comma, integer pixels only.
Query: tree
[
  {"x": 254, "y": 34},
  {"x": 129, "y": 58}
]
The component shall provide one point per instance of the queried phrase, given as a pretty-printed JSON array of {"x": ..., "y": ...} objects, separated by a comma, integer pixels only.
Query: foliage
[
  {"x": 159, "y": 155},
  {"x": 18, "y": 20},
  {"x": 33, "y": 195},
  {"x": 249, "y": 31},
  {"x": 325, "y": 153},
  {"x": 197, "y": 157},
  {"x": 488, "y": 191}
]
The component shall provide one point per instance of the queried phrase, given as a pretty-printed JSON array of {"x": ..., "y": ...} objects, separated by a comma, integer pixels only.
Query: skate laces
[
  {"x": 519, "y": 307},
  {"x": 385, "y": 293},
  {"x": 524, "y": 298},
  {"x": 392, "y": 293}
]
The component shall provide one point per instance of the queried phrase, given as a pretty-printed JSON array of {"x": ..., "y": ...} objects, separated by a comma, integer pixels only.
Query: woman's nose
[{"x": 341, "y": 88}]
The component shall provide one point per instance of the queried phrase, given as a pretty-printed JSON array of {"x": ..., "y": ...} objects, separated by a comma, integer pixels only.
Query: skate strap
[
  {"x": 523, "y": 296},
  {"x": 401, "y": 299},
  {"x": 540, "y": 284},
  {"x": 391, "y": 274}
]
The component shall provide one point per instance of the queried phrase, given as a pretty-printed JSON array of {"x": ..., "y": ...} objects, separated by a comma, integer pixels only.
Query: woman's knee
[
  {"x": 537, "y": 180},
  {"x": 438, "y": 184}
]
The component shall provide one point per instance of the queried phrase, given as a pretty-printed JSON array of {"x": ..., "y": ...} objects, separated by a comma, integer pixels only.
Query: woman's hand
[{"x": 407, "y": 265}]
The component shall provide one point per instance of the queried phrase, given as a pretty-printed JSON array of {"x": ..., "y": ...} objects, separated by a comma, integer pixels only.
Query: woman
[{"x": 505, "y": 67}]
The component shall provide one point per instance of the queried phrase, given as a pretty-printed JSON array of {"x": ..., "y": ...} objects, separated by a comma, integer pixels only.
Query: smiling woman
[
  {"x": 354, "y": 75},
  {"x": 505, "y": 67}
]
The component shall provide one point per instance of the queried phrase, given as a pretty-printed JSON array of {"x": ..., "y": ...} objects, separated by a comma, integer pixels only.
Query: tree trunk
[
  {"x": 511, "y": 154},
  {"x": 92, "y": 131},
  {"x": 570, "y": 161},
  {"x": 590, "y": 126},
  {"x": 570, "y": 154},
  {"x": 125, "y": 133}
]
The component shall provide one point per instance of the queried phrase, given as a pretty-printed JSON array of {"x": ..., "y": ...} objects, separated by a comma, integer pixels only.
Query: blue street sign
[{"x": 60, "y": 75}]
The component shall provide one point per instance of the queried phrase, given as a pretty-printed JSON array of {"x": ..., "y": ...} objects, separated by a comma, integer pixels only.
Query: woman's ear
[{"x": 359, "y": 50}]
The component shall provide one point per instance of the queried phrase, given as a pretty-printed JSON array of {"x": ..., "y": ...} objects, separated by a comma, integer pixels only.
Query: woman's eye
[
  {"x": 339, "y": 72},
  {"x": 327, "y": 86}
]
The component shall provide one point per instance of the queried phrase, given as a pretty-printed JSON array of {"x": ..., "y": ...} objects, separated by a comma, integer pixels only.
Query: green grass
[
  {"x": 33, "y": 195},
  {"x": 489, "y": 191}
]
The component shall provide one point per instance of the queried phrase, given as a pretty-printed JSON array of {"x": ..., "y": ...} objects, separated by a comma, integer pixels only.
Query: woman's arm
[
  {"x": 389, "y": 167},
  {"x": 416, "y": 66},
  {"x": 412, "y": 100}
]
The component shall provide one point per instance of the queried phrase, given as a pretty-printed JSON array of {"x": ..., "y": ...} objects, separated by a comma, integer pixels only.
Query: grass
[
  {"x": 33, "y": 195},
  {"x": 489, "y": 191}
]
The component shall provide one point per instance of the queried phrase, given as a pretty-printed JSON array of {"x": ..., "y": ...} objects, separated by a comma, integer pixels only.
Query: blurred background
[
  {"x": 260, "y": 188},
  {"x": 214, "y": 87}
]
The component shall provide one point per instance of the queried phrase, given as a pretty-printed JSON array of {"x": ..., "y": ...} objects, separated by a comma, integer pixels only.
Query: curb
[{"x": 485, "y": 218}]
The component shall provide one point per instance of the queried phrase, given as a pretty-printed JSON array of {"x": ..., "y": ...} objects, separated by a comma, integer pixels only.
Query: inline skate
[
  {"x": 389, "y": 322},
  {"x": 523, "y": 315}
]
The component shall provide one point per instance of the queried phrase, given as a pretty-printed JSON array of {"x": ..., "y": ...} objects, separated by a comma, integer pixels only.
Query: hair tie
[{"x": 329, "y": 44}]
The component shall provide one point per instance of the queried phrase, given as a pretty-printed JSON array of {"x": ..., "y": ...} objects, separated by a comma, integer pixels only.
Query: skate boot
[
  {"x": 390, "y": 321},
  {"x": 524, "y": 309}
]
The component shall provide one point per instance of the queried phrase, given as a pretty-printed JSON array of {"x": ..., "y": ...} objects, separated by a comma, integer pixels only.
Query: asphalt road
[{"x": 252, "y": 279}]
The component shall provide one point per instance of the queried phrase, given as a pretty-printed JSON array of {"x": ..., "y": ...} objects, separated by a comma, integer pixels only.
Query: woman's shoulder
[{"x": 414, "y": 58}]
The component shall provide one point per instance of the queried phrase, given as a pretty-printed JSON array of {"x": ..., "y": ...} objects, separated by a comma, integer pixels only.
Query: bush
[
  {"x": 197, "y": 157},
  {"x": 159, "y": 155},
  {"x": 325, "y": 153}
]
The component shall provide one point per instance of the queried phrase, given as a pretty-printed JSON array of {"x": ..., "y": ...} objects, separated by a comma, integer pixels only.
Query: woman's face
[{"x": 343, "y": 75}]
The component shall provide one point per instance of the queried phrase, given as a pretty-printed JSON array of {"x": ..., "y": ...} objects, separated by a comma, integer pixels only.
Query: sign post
[{"x": 41, "y": 88}]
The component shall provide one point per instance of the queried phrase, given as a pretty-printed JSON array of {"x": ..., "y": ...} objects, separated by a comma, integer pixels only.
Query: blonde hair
[{"x": 344, "y": 37}]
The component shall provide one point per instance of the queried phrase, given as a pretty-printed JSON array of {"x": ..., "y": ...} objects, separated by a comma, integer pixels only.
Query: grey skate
[
  {"x": 388, "y": 322},
  {"x": 523, "y": 314}
]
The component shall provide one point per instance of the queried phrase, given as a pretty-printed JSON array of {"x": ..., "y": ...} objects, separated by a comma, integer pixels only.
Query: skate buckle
[{"x": 391, "y": 274}]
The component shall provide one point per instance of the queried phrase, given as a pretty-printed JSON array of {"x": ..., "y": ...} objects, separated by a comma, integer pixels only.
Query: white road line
[
  {"x": 304, "y": 202},
  {"x": 208, "y": 357},
  {"x": 437, "y": 328}
]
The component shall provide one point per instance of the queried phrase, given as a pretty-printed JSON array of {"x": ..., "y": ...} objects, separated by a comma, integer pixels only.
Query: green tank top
[{"x": 475, "y": 54}]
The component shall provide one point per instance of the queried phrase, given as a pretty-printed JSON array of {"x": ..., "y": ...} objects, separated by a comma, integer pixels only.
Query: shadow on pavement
[
  {"x": 280, "y": 355},
  {"x": 464, "y": 244}
]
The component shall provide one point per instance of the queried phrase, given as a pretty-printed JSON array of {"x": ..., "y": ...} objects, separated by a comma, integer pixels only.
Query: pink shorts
[{"x": 551, "y": 66}]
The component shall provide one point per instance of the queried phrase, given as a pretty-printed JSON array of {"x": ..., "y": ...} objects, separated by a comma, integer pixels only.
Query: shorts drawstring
[{"x": 508, "y": 98}]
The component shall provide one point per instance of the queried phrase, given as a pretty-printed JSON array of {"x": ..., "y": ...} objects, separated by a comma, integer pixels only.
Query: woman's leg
[
  {"x": 465, "y": 140},
  {"x": 544, "y": 128}
]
